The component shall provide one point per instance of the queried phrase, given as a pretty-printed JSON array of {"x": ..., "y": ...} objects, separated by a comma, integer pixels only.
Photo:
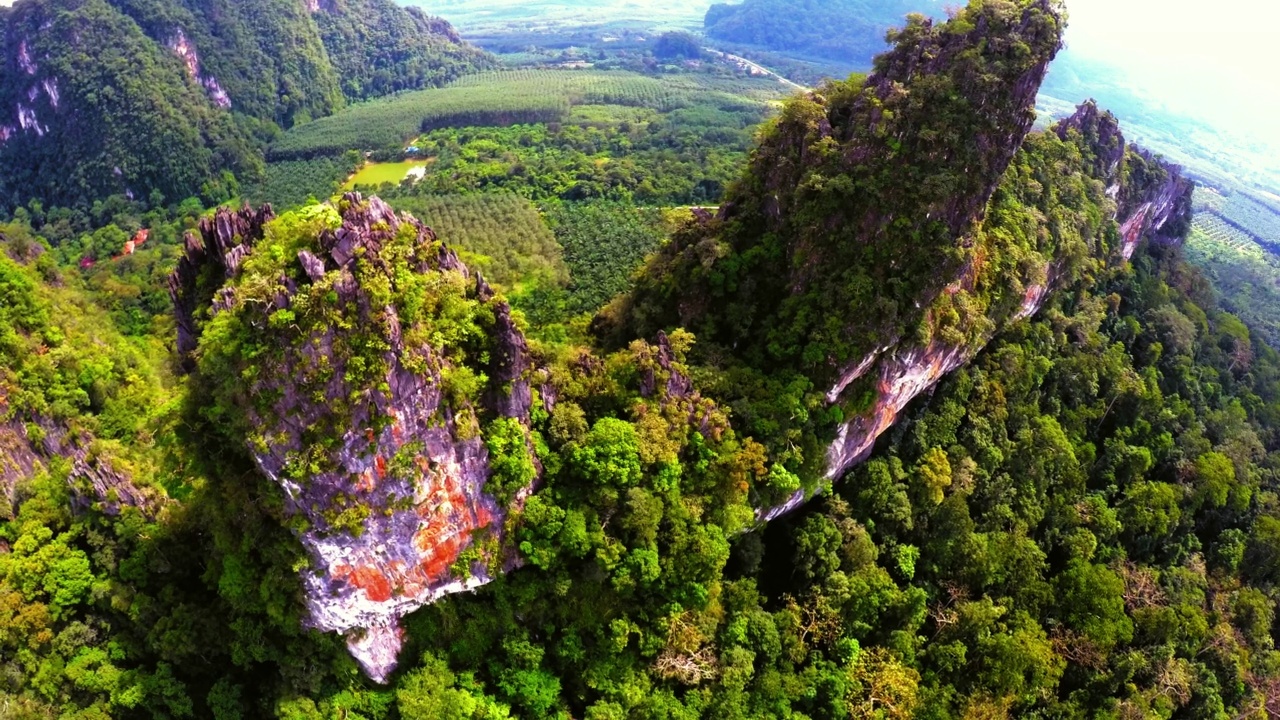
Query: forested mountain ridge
[
  {"x": 926, "y": 142},
  {"x": 861, "y": 240},
  {"x": 132, "y": 97},
  {"x": 339, "y": 425}
]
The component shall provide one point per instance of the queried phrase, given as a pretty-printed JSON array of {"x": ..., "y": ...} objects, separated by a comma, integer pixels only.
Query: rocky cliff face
[
  {"x": 95, "y": 482},
  {"x": 212, "y": 257},
  {"x": 182, "y": 46},
  {"x": 353, "y": 409},
  {"x": 1155, "y": 203}
]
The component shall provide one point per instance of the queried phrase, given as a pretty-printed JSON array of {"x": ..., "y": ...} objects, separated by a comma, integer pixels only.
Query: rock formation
[
  {"x": 213, "y": 254},
  {"x": 860, "y": 203},
  {"x": 1100, "y": 131},
  {"x": 346, "y": 357},
  {"x": 95, "y": 482},
  {"x": 383, "y": 468},
  {"x": 1155, "y": 206}
]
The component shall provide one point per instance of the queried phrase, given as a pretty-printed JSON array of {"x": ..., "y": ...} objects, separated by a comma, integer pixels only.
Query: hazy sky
[{"x": 1217, "y": 60}]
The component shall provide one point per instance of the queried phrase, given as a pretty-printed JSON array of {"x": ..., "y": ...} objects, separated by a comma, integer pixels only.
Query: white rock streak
[
  {"x": 904, "y": 375},
  {"x": 182, "y": 46},
  {"x": 24, "y": 59}
]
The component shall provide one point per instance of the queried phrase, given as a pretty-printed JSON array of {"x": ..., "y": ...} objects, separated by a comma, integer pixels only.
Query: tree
[
  {"x": 677, "y": 46},
  {"x": 1090, "y": 599},
  {"x": 431, "y": 691}
]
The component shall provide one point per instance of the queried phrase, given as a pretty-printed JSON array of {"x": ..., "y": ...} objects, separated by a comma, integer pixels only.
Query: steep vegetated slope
[
  {"x": 92, "y": 107},
  {"x": 380, "y": 47},
  {"x": 73, "y": 392},
  {"x": 859, "y": 240},
  {"x": 103, "y": 97}
]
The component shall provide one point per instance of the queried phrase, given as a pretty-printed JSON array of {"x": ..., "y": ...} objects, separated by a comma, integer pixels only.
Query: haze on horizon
[{"x": 1213, "y": 62}]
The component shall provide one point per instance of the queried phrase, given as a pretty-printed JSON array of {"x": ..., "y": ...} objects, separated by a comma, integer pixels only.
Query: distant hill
[
  {"x": 849, "y": 31},
  {"x": 134, "y": 97}
]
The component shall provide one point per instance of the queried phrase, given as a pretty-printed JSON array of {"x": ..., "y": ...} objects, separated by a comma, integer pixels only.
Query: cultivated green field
[
  {"x": 1246, "y": 274},
  {"x": 480, "y": 16},
  {"x": 375, "y": 174},
  {"x": 509, "y": 98}
]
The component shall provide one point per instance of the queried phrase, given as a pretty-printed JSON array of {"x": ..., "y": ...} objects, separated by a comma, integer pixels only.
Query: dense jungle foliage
[
  {"x": 844, "y": 232},
  {"x": 378, "y": 48},
  {"x": 137, "y": 121},
  {"x": 1083, "y": 522}
]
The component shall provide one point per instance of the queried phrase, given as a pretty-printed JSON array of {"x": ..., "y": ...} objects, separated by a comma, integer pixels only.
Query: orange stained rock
[
  {"x": 447, "y": 528},
  {"x": 380, "y": 463},
  {"x": 369, "y": 578},
  {"x": 426, "y": 538},
  {"x": 365, "y": 483},
  {"x": 437, "y": 560}
]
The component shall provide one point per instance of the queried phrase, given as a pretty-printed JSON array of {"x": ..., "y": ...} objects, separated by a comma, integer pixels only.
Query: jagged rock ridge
[
  {"x": 383, "y": 467},
  {"x": 94, "y": 481},
  {"x": 212, "y": 256}
]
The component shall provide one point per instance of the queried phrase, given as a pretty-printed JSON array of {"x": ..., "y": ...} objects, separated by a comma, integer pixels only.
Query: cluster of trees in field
[
  {"x": 604, "y": 243},
  {"x": 656, "y": 162},
  {"x": 290, "y": 183}
]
